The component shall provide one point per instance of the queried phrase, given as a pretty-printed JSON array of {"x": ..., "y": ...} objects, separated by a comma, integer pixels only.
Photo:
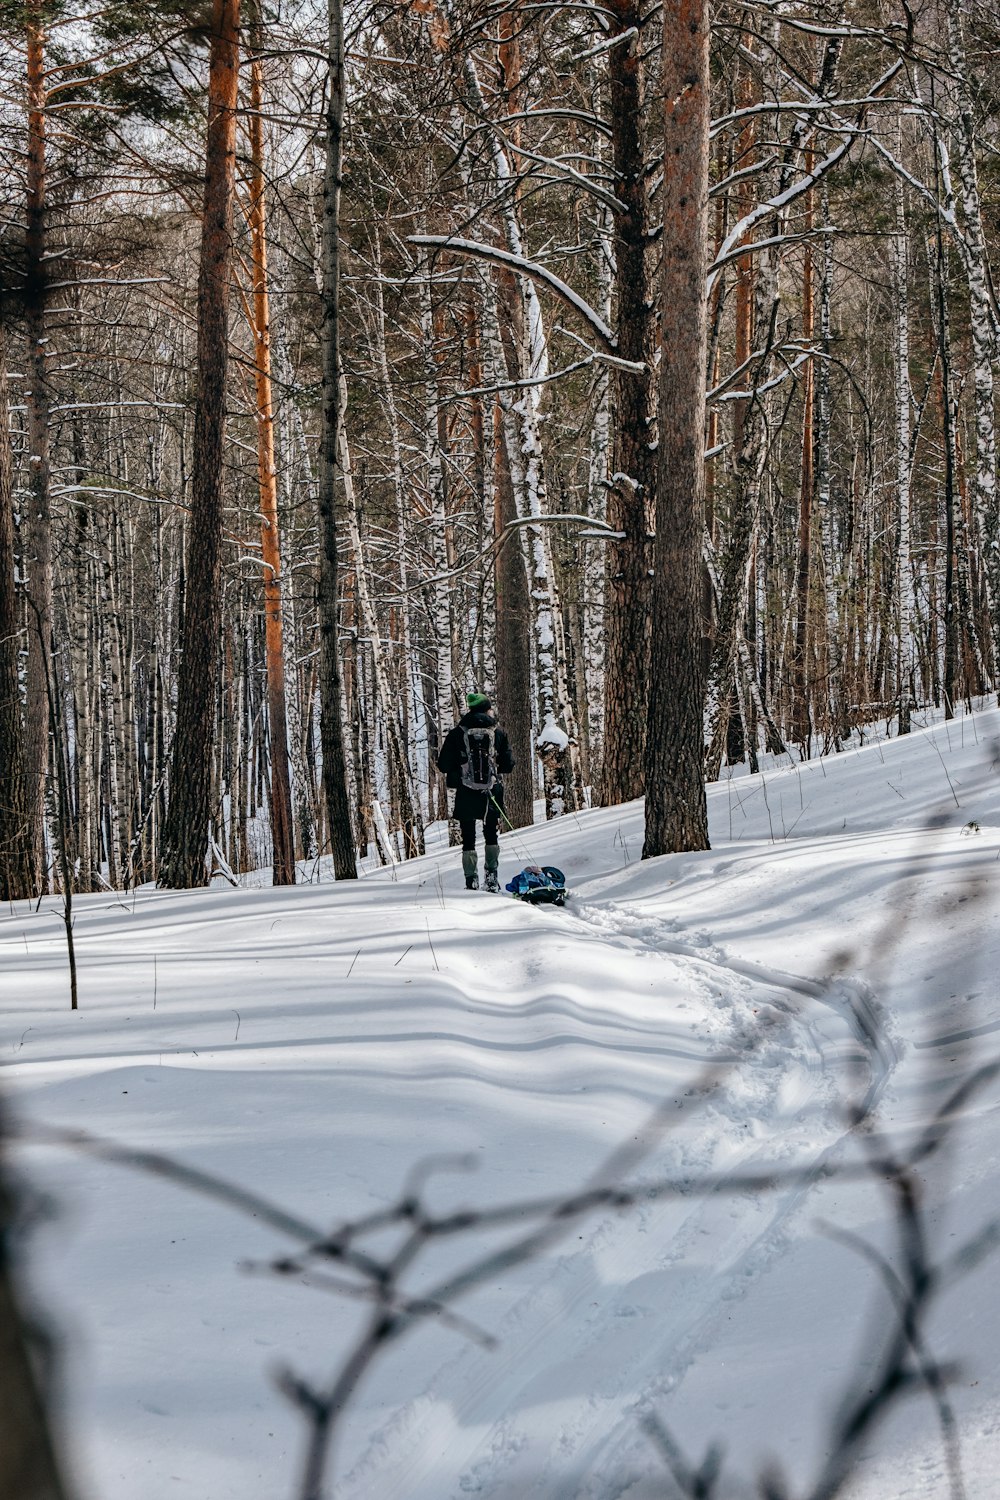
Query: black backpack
[{"x": 479, "y": 769}]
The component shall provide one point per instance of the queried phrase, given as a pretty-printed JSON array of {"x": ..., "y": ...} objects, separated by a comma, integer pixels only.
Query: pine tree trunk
[
  {"x": 187, "y": 830},
  {"x": 676, "y": 813},
  {"x": 633, "y": 460},
  {"x": 331, "y": 716},
  {"x": 513, "y": 638}
]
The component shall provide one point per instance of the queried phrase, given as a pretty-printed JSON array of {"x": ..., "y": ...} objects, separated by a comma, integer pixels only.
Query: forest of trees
[{"x": 633, "y": 363}]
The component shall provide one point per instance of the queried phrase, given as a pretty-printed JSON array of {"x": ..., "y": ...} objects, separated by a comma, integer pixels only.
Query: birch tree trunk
[
  {"x": 440, "y": 588},
  {"x": 15, "y": 843},
  {"x": 411, "y": 708},
  {"x": 940, "y": 275},
  {"x": 757, "y": 303},
  {"x": 526, "y": 466},
  {"x": 831, "y": 667},
  {"x": 293, "y": 449},
  {"x": 282, "y": 828},
  {"x": 676, "y": 813},
  {"x": 111, "y": 681},
  {"x": 398, "y": 761},
  {"x": 512, "y": 616},
  {"x": 524, "y": 450},
  {"x": 801, "y": 715},
  {"x": 983, "y": 317},
  {"x": 595, "y": 562},
  {"x": 38, "y": 523},
  {"x": 186, "y": 832},
  {"x": 903, "y": 399}
]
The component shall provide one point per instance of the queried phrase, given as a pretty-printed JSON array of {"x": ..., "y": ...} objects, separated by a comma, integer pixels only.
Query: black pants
[
  {"x": 491, "y": 828},
  {"x": 479, "y": 807}
]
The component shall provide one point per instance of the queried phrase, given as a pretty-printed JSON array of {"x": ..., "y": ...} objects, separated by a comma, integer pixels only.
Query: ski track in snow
[
  {"x": 599, "y": 1453},
  {"x": 405, "y": 985}
]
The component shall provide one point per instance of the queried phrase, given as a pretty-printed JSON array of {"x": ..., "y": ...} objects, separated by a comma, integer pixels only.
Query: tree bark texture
[
  {"x": 385, "y": 699},
  {"x": 282, "y": 826},
  {"x": 903, "y": 395},
  {"x": 187, "y": 828},
  {"x": 676, "y": 813},
  {"x": 513, "y": 643},
  {"x": 757, "y": 292},
  {"x": 633, "y": 461},
  {"x": 38, "y": 521},
  {"x": 983, "y": 326},
  {"x": 801, "y": 716},
  {"x": 331, "y": 416},
  {"x": 15, "y": 841},
  {"x": 950, "y": 668}
]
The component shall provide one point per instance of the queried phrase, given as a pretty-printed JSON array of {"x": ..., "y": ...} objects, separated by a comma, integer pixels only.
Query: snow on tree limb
[
  {"x": 850, "y": 132},
  {"x": 732, "y": 246},
  {"x": 529, "y": 268}
]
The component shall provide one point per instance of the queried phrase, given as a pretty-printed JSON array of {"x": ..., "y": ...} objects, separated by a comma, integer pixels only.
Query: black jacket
[{"x": 470, "y": 804}]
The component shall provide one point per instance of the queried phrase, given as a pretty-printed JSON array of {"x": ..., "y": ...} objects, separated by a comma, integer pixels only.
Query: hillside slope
[{"x": 837, "y": 946}]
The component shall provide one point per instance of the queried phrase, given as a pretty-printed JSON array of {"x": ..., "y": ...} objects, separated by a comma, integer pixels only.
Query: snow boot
[
  {"x": 492, "y": 864},
  {"x": 470, "y": 864}
]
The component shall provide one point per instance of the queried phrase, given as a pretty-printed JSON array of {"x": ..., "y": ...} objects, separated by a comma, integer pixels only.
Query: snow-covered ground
[{"x": 839, "y": 945}]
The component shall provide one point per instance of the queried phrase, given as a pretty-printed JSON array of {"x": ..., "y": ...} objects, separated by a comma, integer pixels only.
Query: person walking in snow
[{"x": 475, "y": 754}]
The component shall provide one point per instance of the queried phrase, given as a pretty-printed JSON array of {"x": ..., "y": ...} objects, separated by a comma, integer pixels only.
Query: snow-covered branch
[{"x": 541, "y": 275}]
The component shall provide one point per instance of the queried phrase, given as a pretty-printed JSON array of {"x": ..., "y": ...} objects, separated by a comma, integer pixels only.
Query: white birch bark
[
  {"x": 824, "y": 413},
  {"x": 751, "y": 440},
  {"x": 527, "y": 476},
  {"x": 436, "y": 490},
  {"x": 83, "y": 710},
  {"x": 387, "y": 854},
  {"x": 903, "y": 403},
  {"x": 293, "y": 457},
  {"x": 557, "y": 742},
  {"x": 985, "y": 332},
  {"x": 597, "y": 492},
  {"x": 112, "y": 693},
  {"x": 371, "y": 631},
  {"x": 418, "y": 751}
]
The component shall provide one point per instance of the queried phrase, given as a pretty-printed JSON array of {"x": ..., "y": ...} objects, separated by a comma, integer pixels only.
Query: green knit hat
[{"x": 477, "y": 701}]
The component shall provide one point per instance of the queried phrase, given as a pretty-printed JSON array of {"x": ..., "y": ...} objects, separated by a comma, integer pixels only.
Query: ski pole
[{"x": 523, "y": 851}]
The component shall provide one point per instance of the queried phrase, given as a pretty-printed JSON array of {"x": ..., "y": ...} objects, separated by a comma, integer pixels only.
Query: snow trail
[{"x": 839, "y": 943}]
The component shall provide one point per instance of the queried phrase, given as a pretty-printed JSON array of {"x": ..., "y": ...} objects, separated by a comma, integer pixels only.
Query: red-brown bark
[
  {"x": 187, "y": 826},
  {"x": 676, "y": 816},
  {"x": 633, "y": 456}
]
